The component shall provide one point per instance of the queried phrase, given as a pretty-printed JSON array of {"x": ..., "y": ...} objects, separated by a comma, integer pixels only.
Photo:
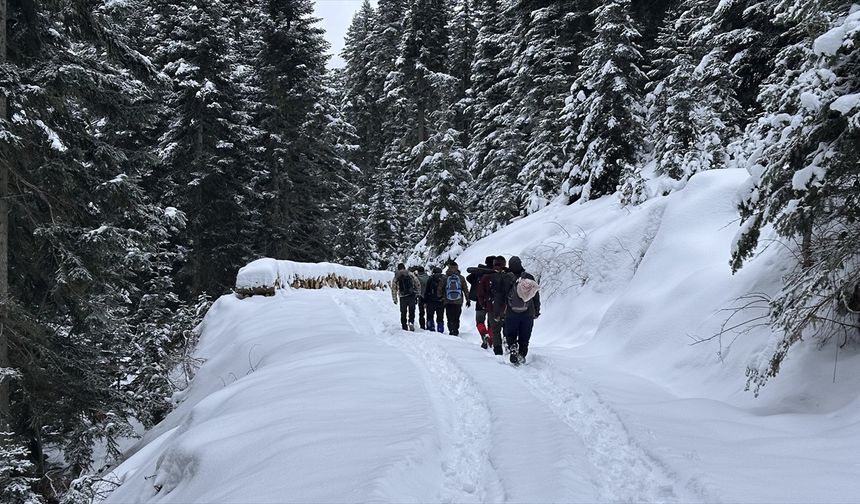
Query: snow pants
[
  {"x": 453, "y": 311},
  {"x": 518, "y": 329},
  {"x": 407, "y": 305}
]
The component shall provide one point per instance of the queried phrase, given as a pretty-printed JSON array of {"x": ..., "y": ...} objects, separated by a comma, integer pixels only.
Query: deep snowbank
[{"x": 638, "y": 285}]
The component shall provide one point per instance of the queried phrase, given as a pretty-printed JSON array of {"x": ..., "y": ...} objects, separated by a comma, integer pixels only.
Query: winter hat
[
  {"x": 437, "y": 270},
  {"x": 516, "y": 265},
  {"x": 489, "y": 261},
  {"x": 500, "y": 261},
  {"x": 401, "y": 266}
]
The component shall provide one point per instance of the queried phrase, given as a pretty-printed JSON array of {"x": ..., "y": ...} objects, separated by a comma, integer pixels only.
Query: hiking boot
[
  {"x": 515, "y": 356},
  {"x": 485, "y": 344},
  {"x": 412, "y": 327},
  {"x": 405, "y": 327},
  {"x": 440, "y": 327}
]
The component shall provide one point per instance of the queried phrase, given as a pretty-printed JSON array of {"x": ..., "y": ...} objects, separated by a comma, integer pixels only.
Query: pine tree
[
  {"x": 551, "y": 36},
  {"x": 84, "y": 230},
  {"x": 497, "y": 143},
  {"x": 361, "y": 100},
  {"x": 604, "y": 115},
  {"x": 442, "y": 187},
  {"x": 203, "y": 147},
  {"x": 803, "y": 156},
  {"x": 692, "y": 102}
]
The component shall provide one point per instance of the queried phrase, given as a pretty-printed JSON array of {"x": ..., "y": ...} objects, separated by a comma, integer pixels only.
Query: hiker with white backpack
[
  {"x": 453, "y": 291},
  {"x": 522, "y": 307}
]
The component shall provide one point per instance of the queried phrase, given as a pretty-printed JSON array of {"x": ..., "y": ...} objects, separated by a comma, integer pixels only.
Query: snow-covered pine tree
[
  {"x": 83, "y": 230},
  {"x": 443, "y": 188},
  {"x": 604, "y": 115},
  {"x": 291, "y": 68},
  {"x": 204, "y": 145},
  {"x": 550, "y": 37},
  {"x": 385, "y": 182},
  {"x": 497, "y": 145},
  {"x": 463, "y": 32},
  {"x": 415, "y": 91},
  {"x": 361, "y": 99},
  {"x": 692, "y": 108},
  {"x": 804, "y": 157},
  {"x": 348, "y": 205}
]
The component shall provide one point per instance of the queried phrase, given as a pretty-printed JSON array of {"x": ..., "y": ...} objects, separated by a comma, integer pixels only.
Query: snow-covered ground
[{"x": 318, "y": 396}]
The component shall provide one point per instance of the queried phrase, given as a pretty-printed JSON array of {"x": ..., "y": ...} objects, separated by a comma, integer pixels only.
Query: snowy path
[
  {"x": 318, "y": 396},
  {"x": 618, "y": 468}
]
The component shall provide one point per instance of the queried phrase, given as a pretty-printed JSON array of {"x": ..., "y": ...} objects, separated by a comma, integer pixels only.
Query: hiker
[
  {"x": 474, "y": 279},
  {"x": 423, "y": 277},
  {"x": 434, "y": 300},
  {"x": 492, "y": 298},
  {"x": 522, "y": 308},
  {"x": 405, "y": 288},
  {"x": 453, "y": 291}
]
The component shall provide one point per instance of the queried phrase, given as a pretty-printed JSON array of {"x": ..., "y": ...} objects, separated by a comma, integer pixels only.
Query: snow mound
[
  {"x": 649, "y": 288},
  {"x": 270, "y": 274}
]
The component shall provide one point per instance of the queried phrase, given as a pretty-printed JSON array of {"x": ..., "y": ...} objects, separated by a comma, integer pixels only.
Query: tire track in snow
[
  {"x": 468, "y": 472},
  {"x": 627, "y": 472}
]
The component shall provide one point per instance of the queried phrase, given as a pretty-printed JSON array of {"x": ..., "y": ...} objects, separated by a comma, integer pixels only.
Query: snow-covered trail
[
  {"x": 536, "y": 418},
  {"x": 318, "y": 396}
]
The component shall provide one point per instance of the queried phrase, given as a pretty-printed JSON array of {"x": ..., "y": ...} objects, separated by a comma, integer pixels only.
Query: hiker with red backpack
[
  {"x": 434, "y": 301},
  {"x": 474, "y": 279},
  {"x": 404, "y": 288},
  {"x": 453, "y": 290},
  {"x": 522, "y": 307}
]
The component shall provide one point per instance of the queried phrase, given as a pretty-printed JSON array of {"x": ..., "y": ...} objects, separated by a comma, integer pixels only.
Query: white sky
[{"x": 336, "y": 16}]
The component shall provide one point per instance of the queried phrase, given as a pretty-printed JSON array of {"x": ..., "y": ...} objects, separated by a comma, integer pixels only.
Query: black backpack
[
  {"x": 405, "y": 285},
  {"x": 498, "y": 297},
  {"x": 431, "y": 293}
]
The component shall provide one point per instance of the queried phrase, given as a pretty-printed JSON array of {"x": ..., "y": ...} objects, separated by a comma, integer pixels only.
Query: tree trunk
[{"x": 4, "y": 247}]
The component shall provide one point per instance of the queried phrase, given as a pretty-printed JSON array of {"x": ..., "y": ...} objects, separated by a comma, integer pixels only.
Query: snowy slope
[{"x": 318, "y": 396}]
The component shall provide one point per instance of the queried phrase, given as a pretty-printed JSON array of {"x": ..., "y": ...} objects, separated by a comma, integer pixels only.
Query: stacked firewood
[
  {"x": 337, "y": 282},
  {"x": 333, "y": 281}
]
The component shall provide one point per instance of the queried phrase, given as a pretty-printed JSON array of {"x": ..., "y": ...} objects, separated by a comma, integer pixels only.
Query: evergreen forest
[{"x": 150, "y": 148}]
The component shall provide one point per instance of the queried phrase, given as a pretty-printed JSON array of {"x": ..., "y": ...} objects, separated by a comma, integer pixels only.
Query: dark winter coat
[
  {"x": 506, "y": 281},
  {"x": 423, "y": 278},
  {"x": 395, "y": 290},
  {"x": 474, "y": 279},
  {"x": 442, "y": 287}
]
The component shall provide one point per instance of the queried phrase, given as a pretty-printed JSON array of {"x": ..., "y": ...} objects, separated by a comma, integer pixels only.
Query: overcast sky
[{"x": 336, "y": 16}]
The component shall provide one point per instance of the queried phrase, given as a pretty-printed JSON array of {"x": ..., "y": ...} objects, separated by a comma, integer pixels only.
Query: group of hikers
[{"x": 506, "y": 300}]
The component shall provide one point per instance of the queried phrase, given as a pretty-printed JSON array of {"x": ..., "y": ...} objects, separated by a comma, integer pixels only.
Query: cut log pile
[{"x": 264, "y": 277}]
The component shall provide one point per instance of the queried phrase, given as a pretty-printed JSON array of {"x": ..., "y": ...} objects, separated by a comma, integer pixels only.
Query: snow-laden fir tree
[
  {"x": 300, "y": 164},
  {"x": 443, "y": 188},
  {"x": 361, "y": 99},
  {"x": 85, "y": 236},
  {"x": 804, "y": 157},
  {"x": 604, "y": 115},
  {"x": 205, "y": 144},
  {"x": 415, "y": 91},
  {"x": 550, "y": 37},
  {"x": 463, "y": 31},
  {"x": 497, "y": 143},
  {"x": 692, "y": 109}
]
